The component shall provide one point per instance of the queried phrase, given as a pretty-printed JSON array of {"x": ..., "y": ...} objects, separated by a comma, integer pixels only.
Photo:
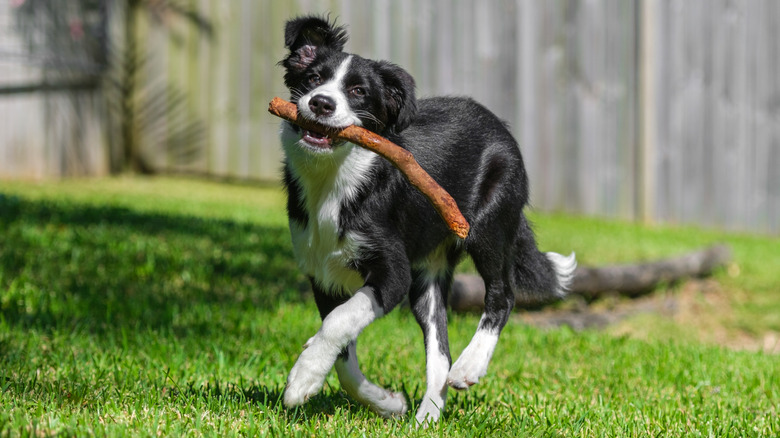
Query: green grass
[{"x": 173, "y": 307}]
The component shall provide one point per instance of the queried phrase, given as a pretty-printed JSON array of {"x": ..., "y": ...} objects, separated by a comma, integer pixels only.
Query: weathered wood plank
[{"x": 660, "y": 109}]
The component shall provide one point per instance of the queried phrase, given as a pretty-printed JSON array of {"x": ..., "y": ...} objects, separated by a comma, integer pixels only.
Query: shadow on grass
[
  {"x": 261, "y": 395},
  {"x": 97, "y": 268},
  {"x": 326, "y": 403}
]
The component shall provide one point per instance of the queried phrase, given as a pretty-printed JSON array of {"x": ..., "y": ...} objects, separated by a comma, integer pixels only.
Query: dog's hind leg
[
  {"x": 491, "y": 252},
  {"x": 473, "y": 362},
  {"x": 429, "y": 308},
  {"x": 386, "y": 403},
  {"x": 515, "y": 268}
]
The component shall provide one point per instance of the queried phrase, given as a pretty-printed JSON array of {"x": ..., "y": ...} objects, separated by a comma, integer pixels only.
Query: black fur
[{"x": 481, "y": 168}]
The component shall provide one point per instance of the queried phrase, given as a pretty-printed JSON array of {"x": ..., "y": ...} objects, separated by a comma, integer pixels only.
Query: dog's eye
[
  {"x": 315, "y": 79},
  {"x": 358, "y": 91}
]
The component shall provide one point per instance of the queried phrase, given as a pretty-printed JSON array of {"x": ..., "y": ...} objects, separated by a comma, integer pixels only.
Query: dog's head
[{"x": 338, "y": 89}]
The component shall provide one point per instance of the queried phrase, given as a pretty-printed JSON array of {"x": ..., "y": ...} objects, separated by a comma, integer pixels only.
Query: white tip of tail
[{"x": 564, "y": 270}]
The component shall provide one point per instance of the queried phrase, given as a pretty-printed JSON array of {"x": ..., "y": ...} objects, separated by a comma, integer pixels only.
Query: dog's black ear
[
  {"x": 399, "y": 94},
  {"x": 304, "y": 36}
]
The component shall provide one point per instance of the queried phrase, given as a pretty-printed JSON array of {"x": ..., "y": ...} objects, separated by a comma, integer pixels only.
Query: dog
[{"x": 367, "y": 239}]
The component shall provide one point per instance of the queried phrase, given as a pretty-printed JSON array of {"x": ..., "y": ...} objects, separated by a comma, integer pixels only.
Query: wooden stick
[{"x": 398, "y": 156}]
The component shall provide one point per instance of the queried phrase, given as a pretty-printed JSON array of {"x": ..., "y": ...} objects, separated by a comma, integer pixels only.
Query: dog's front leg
[
  {"x": 430, "y": 310},
  {"x": 384, "y": 402},
  {"x": 339, "y": 328}
]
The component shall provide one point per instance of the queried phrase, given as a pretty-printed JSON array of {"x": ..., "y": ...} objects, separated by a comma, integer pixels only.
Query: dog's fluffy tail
[
  {"x": 564, "y": 271},
  {"x": 540, "y": 278}
]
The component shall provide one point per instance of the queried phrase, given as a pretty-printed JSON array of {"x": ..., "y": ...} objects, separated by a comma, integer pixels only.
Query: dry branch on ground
[{"x": 630, "y": 280}]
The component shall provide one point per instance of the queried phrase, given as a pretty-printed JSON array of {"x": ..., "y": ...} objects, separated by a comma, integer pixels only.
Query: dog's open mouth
[{"x": 316, "y": 139}]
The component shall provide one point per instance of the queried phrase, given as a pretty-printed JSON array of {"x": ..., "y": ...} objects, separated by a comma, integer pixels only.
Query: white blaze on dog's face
[
  {"x": 328, "y": 103},
  {"x": 337, "y": 90}
]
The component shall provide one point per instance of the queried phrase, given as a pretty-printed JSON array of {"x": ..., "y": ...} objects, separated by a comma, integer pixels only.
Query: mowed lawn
[{"x": 173, "y": 307}]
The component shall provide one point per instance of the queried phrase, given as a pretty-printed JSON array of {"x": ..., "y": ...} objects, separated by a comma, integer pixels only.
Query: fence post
[{"x": 647, "y": 110}]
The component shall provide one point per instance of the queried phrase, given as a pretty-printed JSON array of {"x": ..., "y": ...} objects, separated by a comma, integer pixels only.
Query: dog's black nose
[{"x": 322, "y": 105}]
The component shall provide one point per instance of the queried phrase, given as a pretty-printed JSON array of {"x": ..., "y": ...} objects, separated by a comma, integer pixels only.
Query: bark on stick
[{"x": 401, "y": 158}]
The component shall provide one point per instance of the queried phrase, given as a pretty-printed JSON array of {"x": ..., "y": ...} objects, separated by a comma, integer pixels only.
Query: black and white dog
[{"x": 367, "y": 239}]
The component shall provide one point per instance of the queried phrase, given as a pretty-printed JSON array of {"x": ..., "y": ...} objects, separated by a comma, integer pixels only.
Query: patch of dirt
[
  {"x": 579, "y": 315},
  {"x": 701, "y": 309}
]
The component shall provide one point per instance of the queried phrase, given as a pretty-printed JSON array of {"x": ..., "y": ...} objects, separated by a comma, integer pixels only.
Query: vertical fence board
[{"x": 678, "y": 123}]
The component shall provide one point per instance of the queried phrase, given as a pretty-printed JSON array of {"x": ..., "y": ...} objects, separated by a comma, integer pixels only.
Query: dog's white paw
[
  {"x": 301, "y": 385},
  {"x": 466, "y": 372},
  {"x": 427, "y": 413},
  {"x": 392, "y": 406},
  {"x": 473, "y": 361},
  {"x": 307, "y": 375}
]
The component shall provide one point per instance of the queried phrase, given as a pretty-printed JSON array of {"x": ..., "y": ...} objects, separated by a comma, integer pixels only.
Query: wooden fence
[
  {"x": 658, "y": 110},
  {"x": 50, "y": 126}
]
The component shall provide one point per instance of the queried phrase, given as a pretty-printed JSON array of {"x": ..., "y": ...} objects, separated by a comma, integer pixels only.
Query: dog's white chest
[
  {"x": 319, "y": 250},
  {"x": 322, "y": 255}
]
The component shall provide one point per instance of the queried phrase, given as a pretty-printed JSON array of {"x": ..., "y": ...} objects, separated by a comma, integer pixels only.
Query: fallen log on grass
[{"x": 468, "y": 291}]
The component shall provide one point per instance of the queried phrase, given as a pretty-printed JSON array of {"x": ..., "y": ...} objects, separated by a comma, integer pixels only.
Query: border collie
[{"x": 367, "y": 239}]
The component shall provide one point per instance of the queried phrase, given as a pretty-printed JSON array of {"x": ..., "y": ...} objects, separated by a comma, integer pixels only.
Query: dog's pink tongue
[{"x": 316, "y": 139}]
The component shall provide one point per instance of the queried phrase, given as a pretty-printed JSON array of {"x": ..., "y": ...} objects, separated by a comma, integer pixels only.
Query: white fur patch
[
  {"x": 473, "y": 361},
  {"x": 386, "y": 403},
  {"x": 435, "y": 265},
  {"x": 326, "y": 182},
  {"x": 340, "y": 327},
  {"x": 564, "y": 270},
  {"x": 334, "y": 89},
  {"x": 436, "y": 365}
]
